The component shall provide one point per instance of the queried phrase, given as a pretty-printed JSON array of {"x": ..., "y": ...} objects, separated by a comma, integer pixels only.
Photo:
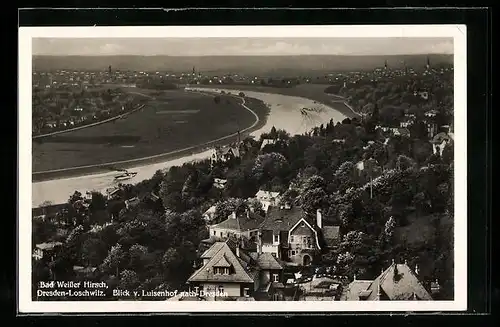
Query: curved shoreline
[
  {"x": 131, "y": 163},
  {"x": 96, "y": 123}
]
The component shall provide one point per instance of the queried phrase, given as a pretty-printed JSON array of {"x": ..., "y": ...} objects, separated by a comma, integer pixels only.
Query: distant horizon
[
  {"x": 244, "y": 46},
  {"x": 245, "y": 55}
]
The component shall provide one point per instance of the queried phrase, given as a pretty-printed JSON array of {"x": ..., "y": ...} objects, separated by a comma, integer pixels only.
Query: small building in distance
[
  {"x": 267, "y": 199},
  {"x": 45, "y": 250}
]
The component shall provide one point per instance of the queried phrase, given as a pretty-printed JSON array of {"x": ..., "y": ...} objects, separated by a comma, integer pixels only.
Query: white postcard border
[{"x": 457, "y": 32}]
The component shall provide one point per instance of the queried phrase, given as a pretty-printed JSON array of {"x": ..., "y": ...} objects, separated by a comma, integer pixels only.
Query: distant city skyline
[{"x": 240, "y": 46}]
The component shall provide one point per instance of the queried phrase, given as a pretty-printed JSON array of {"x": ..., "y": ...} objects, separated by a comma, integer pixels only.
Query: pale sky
[{"x": 240, "y": 46}]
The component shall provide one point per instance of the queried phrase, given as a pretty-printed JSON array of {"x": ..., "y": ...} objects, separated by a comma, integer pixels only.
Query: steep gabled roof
[
  {"x": 206, "y": 273},
  {"x": 405, "y": 287},
  {"x": 267, "y": 261},
  {"x": 357, "y": 288},
  {"x": 223, "y": 263},
  {"x": 282, "y": 219},
  {"x": 212, "y": 250}
]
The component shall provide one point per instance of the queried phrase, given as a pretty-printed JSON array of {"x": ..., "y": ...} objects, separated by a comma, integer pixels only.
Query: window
[
  {"x": 276, "y": 297},
  {"x": 220, "y": 289},
  {"x": 215, "y": 232},
  {"x": 291, "y": 239},
  {"x": 220, "y": 234},
  {"x": 246, "y": 292},
  {"x": 292, "y": 252},
  {"x": 276, "y": 277},
  {"x": 221, "y": 270},
  {"x": 276, "y": 238}
]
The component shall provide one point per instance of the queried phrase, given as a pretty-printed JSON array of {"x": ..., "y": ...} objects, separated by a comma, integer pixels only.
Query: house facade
[
  {"x": 228, "y": 272},
  {"x": 226, "y": 153},
  {"x": 293, "y": 236}
]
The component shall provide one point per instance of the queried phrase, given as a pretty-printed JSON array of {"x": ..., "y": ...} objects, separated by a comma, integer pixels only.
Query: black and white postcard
[{"x": 264, "y": 168}]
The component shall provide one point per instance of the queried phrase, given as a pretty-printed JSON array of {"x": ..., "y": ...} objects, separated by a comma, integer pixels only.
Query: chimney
[
  {"x": 319, "y": 219},
  {"x": 416, "y": 270},
  {"x": 233, "y": 215},
  {"x": 238, "y": 250},
  {"x": 354, "y": 276}
]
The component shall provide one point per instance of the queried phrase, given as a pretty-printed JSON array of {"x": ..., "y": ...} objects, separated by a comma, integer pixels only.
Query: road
[{"x": 285, "y": 113}]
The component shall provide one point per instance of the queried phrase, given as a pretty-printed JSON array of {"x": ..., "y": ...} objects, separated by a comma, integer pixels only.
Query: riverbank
[
  {"x": 284, "y": 113},
  {"x": 256, "y": 107},
  {"x": 315, "y": 92}
]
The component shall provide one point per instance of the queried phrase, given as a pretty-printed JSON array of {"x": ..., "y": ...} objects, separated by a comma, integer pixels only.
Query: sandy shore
[{"x": 285, "y": 113}]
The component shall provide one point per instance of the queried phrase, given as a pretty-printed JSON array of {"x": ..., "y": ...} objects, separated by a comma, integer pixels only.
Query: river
[{"x": 285, "y": 113}]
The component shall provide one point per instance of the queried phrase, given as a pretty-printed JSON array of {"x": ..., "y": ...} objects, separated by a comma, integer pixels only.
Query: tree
[
  {"x": 170, "y": 261},
  {"x": 129, "y": 280},
  {"x": 114, "y": 261},
  {"x": 93, "y": 251},
  {"x": 98, "y": 202},
  {"x": 313, "y": 199},
  {"x": 226, "y": 207},
  {"x": 137, "y": 255},
  {"x": 389, "y": 228},
  {"x": 76, "y": 196},
  {"x": 314, "y": 182},
  {"x": 256, "y": 206}
]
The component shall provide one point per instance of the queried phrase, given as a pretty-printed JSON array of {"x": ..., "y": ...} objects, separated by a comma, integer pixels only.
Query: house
[
  {"x": 130, "y": 203},
  {"x": 209, "y": 215},
  {"x": 405, "y": 132},
  {"x": 45, "y": 250},
  {"x": 84, "y": 272},
  {"x": 266, "y": 142},
  {"x": 267, "y": 198},
  {"x": 230, "y": 273},
  {"x": 226, "y": 153},
  {"x": 113, "y": 193},
  {"x": 294, "y": 236},
  {"x": 396, "y": 283},
  {"x": 439, "y": 142},
  {"x": 239, "y": 225},
  {"x": 320, "y": 289},
  {"x": 338, "y": 141},
  {"x": 220, "y": 183}
]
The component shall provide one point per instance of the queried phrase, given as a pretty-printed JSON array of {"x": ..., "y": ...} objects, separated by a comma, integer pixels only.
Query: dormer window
[{"x": 221, "y": 271}]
